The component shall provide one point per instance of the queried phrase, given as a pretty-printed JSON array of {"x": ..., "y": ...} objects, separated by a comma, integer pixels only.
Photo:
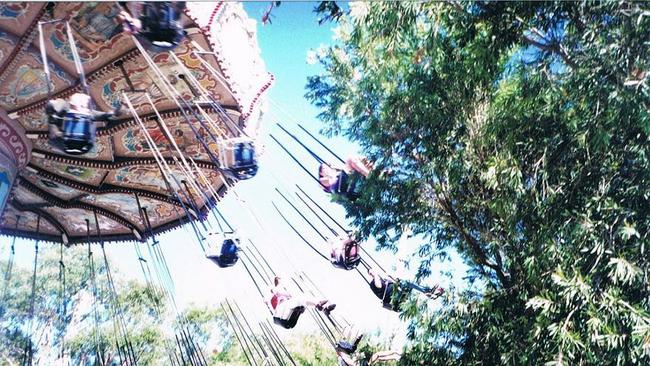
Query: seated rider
[
  {"x": 344, "y": 181},
  {"x": 346, "y": 359},
  {"x": 71, "y": 123},
  {"x": 158, "y": 23},
  {"x": 347, "y": 346},
  {"x": 347, "y": 355},
  {"x": 345, "y": 252},
  {"x": 228, "y": 254},
  {"x": 393, "y": 292},
  {"x": 287, "y": 307}
]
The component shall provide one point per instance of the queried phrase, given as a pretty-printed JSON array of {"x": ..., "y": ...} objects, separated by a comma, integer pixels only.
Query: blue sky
[{"x": 284, "y": 45}]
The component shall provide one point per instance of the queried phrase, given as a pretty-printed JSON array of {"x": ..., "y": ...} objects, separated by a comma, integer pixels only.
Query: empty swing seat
[
  {"x": 161, "y": 28},
  {"x": 228, "y": 255},
  {"x": 78, "y": 134},
  {"x": 237, "y": 156},
  {"x": 293, "y": 319}
]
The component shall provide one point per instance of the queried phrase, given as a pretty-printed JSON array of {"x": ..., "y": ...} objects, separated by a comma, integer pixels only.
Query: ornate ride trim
[
  {"x": 122, "y": 238},
  {"x": 14, "y": 141},
  {"x": 119, "y": 162},
  {"x": 217, "y": 56},
  {"x": 253, "y": 102}
]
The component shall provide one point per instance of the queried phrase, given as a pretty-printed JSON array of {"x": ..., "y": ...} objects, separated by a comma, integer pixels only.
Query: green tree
[
  {"x": 86, "y": 327},
  {"x": 516, "y": 134},
  {"x": 311, "y": 350}
]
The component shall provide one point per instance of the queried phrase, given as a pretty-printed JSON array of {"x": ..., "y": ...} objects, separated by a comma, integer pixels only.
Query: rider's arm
[{"x": 105, "y": 116}]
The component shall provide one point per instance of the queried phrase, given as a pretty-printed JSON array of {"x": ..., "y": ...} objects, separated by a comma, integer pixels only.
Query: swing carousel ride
[{"x": 181, "y": 110}]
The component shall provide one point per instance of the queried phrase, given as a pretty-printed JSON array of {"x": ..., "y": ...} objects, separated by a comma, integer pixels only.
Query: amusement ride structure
[
  {"x": 119, "y": 121},
  {"x": 51, "y": 195}
]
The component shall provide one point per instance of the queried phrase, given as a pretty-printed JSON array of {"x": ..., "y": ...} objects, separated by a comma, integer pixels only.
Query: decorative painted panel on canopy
[
  {"x": 102, "y": 150},
  {"x": 130, "y": 141},
  {"x": 125, "y": 204},
  {"x": 27, "y": 82},
  {"x": 80, "y": 174},
  {"x": 97, "y": 32},
  {"x": 26, "y": 197},
  {"x": 148, "y": 177},
  {"x": 65, "y": 190},
  {"x": 107, "y": 89},
  {"x": 27, "y": 222},
  {"x": 51, "y": 187},
  {"x": 15, "y": 17},
  {"x": 74, "y": 222}
]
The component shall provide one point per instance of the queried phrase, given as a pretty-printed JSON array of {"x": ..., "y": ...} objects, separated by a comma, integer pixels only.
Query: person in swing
[
  {"x": 347, "y": 355},
  {"x": 393, "y": 292},
  {"x": 344, "y": 252},
  {"x": 344, "y": 181},
  {"x": 158, "y": 23},
  {"x": 71, "y": 123},
  {"x": 288, "y": 307},
  {"x": 348, "y": 359}
]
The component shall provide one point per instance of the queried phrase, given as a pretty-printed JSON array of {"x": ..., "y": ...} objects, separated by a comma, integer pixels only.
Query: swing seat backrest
[
  {"x": 245, "y": 173},
  {"x": 346, "y": 347},
  {"x": 348, "y": 187},
  {"x": 237, "y": 152},
  {"x": 78, "y": 133},
  {"x": 350, "y": 258},
  {"x": 347, "y": 264},
  {"x": 229, "y": 247},
  {"x": 352, "y": 262},
  {"x": 237, "y": 155},
  {"x": 225, "y": 262},
  {"x": 161, "y": 30},
  {"x": 293, "y": 319},
  {"x": 229, "y": 253}
]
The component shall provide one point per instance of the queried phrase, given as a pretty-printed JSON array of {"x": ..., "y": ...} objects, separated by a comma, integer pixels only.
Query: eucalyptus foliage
[
  {"x": 86, "y": 327},
  {"x": 515, "y": 133}
]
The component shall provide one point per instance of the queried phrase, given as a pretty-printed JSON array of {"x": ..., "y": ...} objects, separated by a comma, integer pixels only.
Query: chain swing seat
[
  {"x": 228, "y": 254},
  {"x": 291, "y": 321},
  {"x": 346, "y": 187},
  {"x": 161, "y": 29},
  {"x": 350, "y": 340},
  {"x": 71, "y": 123},
  {"x": 345, "y": 253},
  {"x": 78, "y": 133},
  {"x": 70, "y": 132},
  {"x": 237, "y": 156}
]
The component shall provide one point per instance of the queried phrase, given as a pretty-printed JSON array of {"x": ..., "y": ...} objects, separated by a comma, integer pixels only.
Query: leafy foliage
[
  {"x": 515, "y": 133},
  {"x": 86, "y": 327}
]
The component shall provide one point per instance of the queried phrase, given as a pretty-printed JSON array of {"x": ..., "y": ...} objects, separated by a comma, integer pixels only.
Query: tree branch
[
  {"x": 475, "y": 247},
  {"x": 553, "y": 48}
]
